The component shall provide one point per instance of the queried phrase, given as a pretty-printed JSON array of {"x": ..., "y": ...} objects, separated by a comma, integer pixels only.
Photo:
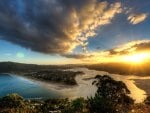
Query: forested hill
[{"x": 7, "y": 67}]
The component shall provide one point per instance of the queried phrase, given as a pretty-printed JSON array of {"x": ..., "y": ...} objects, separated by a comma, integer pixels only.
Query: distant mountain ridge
[
  {"x": 7, "y": 67},
  {"x": 114, "y": 68},
  {"x": 123, "y": 68}
]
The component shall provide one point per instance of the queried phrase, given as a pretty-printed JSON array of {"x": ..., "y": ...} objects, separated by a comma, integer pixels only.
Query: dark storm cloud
[{"x": 53, "y": 26}]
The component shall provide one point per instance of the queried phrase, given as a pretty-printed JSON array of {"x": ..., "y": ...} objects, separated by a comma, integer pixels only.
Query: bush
[
  {"x": 78, "y": 105},
  {"x": 12, "y": 101}
]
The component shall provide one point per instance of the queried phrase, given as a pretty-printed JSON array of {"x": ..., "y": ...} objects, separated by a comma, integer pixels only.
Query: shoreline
[
  {"x": 143, "y": 84},
  {"x": 41, "y": 81}
]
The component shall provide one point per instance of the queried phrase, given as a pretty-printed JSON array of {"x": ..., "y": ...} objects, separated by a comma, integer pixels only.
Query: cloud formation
[
  {"x": 134, "y": 46},
  {"x": 137, "y": 18},
  {"x": 115, "y": 54},
  {"x": 54, "y": 26},
  {"x": 78, "y": 56}
]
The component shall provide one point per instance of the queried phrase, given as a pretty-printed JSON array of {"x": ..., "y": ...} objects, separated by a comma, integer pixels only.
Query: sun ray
[{"x": 136, "y": 57}]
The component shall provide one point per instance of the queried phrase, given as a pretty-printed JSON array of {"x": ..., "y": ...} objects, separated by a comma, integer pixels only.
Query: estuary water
[{"x": 25, "y": 87}]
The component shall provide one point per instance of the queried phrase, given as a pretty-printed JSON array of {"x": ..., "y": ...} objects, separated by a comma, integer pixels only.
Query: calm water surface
[{"x": 25, "y": 87}]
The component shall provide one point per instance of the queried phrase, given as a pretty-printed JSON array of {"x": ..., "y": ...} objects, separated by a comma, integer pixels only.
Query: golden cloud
[
  {"x": 137, "y": 18},
  {"x": 115, "y": 54}
]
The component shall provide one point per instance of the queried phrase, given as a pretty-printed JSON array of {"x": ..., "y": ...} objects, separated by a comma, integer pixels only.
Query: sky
[{"x": 74, "y": 31}]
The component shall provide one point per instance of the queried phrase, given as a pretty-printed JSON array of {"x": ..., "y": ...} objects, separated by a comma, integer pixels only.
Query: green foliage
[
  {"x": 14, "y": 103},
  {"x": 111, "y": 97},
  {"x": 101, "y": 105},
  {"x": 77, "y": 104}
]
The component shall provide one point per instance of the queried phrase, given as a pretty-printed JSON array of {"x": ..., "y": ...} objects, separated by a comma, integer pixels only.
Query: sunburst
[{"x": 136, "y": 58}]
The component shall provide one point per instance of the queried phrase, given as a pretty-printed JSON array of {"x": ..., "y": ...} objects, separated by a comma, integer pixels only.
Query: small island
[{"x": 55, "y": 75}]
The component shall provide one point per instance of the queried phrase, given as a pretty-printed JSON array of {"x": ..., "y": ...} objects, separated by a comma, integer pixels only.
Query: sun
[{"x": 136, "y": 58}]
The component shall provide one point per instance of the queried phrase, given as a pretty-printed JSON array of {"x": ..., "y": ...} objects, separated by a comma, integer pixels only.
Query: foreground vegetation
[{"x": 111, "y": 97}]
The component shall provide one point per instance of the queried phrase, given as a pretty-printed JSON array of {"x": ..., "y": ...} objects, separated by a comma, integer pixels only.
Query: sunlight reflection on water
[{"x": 136, "y": 93}]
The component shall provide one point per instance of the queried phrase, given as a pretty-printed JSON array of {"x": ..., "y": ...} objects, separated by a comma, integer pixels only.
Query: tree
[
  {"x": 77, "y": 104},
  {"x": 111, "y": 97}
]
